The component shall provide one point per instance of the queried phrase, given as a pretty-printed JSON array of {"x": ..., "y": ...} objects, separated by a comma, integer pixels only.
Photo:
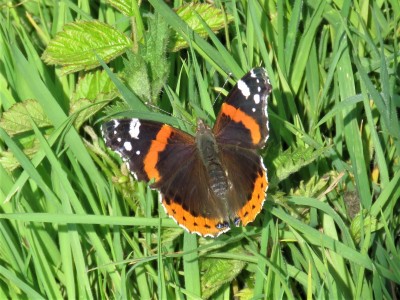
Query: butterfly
[{"x": 213, "y": 179}]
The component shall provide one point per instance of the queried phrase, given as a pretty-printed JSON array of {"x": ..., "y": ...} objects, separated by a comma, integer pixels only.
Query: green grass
[{"x": 73, "y": 223}]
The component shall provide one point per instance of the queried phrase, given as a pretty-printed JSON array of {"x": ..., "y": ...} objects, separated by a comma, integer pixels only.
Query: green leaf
[
  {"x": 146, "y": 71},
  {"x": 17, "y": 119},
  {"x": 8, "y": 160},
  {"x": 80, "y": 44},
  {"x": 217, "y": 272},
  {"x": 17, "y": 122},
  {"x": 124, "y": 6},
  {"x": 313, "y": 187},
  {"x": 94, "y": 86},
  {"x": 91, "y": 95},
  {"x": 293, "y": 159},
  {"x": 156, "y": 54},
  {"x": 190, "y": 13},
  {"x": 363, "y": 223},
  {"x": 136, "y": 75}
]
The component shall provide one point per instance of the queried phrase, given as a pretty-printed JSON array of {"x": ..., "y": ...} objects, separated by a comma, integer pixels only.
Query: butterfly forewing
[{"x": 243, "y": 118}]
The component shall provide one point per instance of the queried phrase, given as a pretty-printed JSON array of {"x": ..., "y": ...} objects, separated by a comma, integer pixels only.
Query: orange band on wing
[
  {"x": 239, "y": 116},
  {"x": 254, "y": 205},
  {"x": 157, "y": 145},
  {"x": 200, "y": 225}
]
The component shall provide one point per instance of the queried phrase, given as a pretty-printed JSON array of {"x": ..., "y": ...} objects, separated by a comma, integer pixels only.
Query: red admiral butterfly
[{"x": 208, "y": 180}]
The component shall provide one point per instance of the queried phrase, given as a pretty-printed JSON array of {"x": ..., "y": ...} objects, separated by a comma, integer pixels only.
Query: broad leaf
[
  {"x": 217, "y": 272},
  {"x": 124, "y": 6},
  {"x": 18, "y": 118},
  {"x": 91, "y": 95},
  {"x": 191, "y": 14},
  {"x": 80, "y": 44},
  {"x": 146, "y": 70},
  {"x": 17, "y": 122},
  {"x": 293, "y": 159},
  {"x": 364, "y": 223}
]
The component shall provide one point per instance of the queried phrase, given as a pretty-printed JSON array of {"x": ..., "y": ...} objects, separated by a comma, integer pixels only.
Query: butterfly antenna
[
  {"x": 223, "y": 86},
  {"x": 148, "y": 104}
]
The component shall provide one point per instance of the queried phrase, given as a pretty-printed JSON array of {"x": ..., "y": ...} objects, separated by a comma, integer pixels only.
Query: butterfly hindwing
[
  {"x": 248, "y": 179},
  {"x": 169, "y": 159}
]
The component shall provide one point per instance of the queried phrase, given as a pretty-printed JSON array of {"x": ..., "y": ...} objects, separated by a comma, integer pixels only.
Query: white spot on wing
[
  {"x": 253, "y": 109},
  {"x": 138, "y": 152},
  {"x": 134, "y": 128},
  {"x": 242, "y": 86},
  {"x": 119, "y": 139},
  {"x": 266, "y": 116},
  {"x": 266, "y": 108},
  {"x": 256, "y": 98},
  {"x": 128, "y": 146}
]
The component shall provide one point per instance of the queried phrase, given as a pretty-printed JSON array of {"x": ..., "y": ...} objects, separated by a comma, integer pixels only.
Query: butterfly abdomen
[
  {"x": 218, "y": 181},
  {"x": 208, "y": 151}
]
